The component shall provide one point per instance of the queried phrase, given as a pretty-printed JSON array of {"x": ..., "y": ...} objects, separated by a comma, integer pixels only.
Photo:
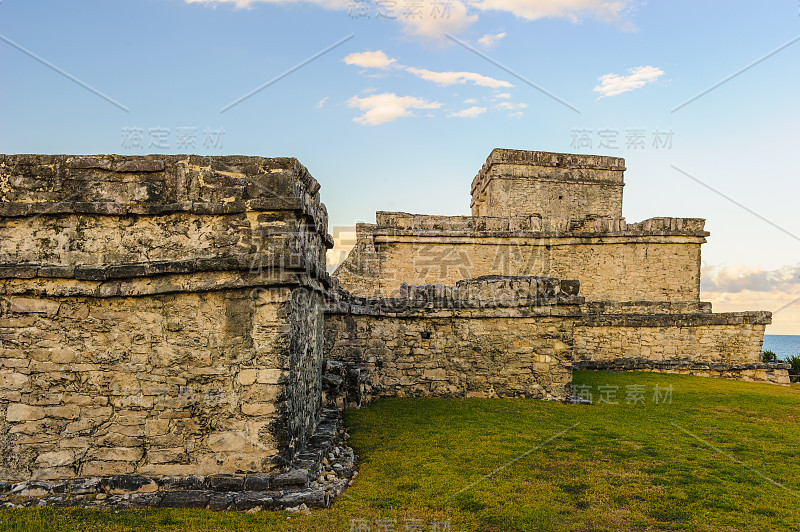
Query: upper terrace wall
[
  {"x": 66, "y": 216},
  {"x": 516, "y": 182},
  {"x": 158, "y": 315},
  {"x": 654, "y": 260}
]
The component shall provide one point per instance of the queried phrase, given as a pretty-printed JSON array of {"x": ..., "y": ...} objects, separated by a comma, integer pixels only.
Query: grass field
[{"x": 713, "y": 455}]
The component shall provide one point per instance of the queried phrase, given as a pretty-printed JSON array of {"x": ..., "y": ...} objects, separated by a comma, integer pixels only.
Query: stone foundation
[
  {"x": 311, "y": 484},
  {"x": 186, "y": 383},
  {"x": 757, "y": 372}
]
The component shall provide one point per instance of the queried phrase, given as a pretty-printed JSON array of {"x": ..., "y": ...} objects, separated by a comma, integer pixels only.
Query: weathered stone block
[
  {"x": 122, "y": 454},
  {"x": 120, "y": 484},
  {"x": 21, "y": 412},
  {"x": 230, "y": 441},
  {"x": 225, "y": 483},
  {"x": 296, "y": 478},
  {"x": 30, "y": 305},
  {"x": 55, "y": 459}
]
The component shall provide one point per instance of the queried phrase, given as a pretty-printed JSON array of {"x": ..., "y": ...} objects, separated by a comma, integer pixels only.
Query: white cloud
[
  {"x": 434, "y": 18},
  {"x": 514, "y": 109},
  {"x": 511, "y": 106},
  {"x": 246, "y": 4},
  {"x": 614, "y": 84},
  {"x": 572, "y": 10},
  {"x": 451, "y": 78},
  {"x": 740, "y": 278},
  {"x": 387, "y": 107},
  {"x": 379, "y": 60},
  {"x": 321, "y": 103},
  {"x": 739, "y": 288},
  {"x": 489, "y": 40},
  {"x": 470, "y": 100},
  {"x": 503, "y": 95},
  {"x": 470, "y": 112},
  {"x": 376, "y": 59}
]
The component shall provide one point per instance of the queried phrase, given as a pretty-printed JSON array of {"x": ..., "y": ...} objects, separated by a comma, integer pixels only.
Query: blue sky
[{"x": 400, "y": 117}]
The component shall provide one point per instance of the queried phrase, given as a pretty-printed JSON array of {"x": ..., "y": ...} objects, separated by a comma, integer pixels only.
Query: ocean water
[{"x": 783, "y": 345}]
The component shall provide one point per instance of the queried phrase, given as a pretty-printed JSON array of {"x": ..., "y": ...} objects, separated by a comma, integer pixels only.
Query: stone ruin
[
  {"x": 169, "y": 335},
  {"x": 560, "y": 215}
]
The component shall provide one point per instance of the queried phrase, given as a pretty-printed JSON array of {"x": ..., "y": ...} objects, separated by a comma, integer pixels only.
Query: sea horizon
[{"x": 783, "y": 345}]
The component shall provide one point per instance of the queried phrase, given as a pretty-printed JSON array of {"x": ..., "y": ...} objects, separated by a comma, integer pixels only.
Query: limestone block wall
[
  {"x": 560, "y": 215},
  {"x": 721, "y": 338},
  {"x": 486, "y": 337},
  {"x": 166, "y": 384},
  {"x": 646, "y": 307},
  {"x": 753, "y": 372},
  {"x": 655, "y": 260},
  {"x": 158, "y": 315},
  {"x": 516, "y": 182},
  {"x": 112, "y": 217}
]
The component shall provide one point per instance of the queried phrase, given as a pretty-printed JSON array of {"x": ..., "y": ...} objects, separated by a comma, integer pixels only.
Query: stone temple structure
[
  {"x": 559, "y": 215},
  {"x": 169, "y": 335}
]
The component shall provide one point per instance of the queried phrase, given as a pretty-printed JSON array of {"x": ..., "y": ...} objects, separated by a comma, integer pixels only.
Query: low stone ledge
[
  {"x": 761, "y": 317},
  {"x": 246, "y": 262},
  {"x": 775, "y": 373},
  {"x": 320, "y": 474},
  {"x": 516, "y": 294},
  {"x": 400, "y": 309},
  {"x": 123, "y": 484},
  {"x": 162, "y": 284},
  {"x": 402, "y": 224},
  {"x": 211, "y": 500},
  {"x": 641, "y": 363},
  {"x": 594, "y": 308}
]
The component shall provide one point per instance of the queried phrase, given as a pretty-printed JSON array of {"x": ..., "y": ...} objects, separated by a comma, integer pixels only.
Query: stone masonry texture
[
  {"x": 560, "y": 215},
  {"x": 656, "y": 260},
  {"x": 515, "y": 182},
  {"x": 487, "y": 337},
  {"x": 158, "y": 315}
]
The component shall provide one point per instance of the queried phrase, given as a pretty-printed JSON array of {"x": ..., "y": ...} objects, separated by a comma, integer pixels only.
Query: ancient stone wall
[
  {"x": 657, "y": 260},
  {"x": 559, "y": 215},
  {"x": 158, "y": 315},
  {"x": 163, "y": 384},
  {"x": 752, "y": 372},
  {"x": 486, "y": 337},
  {"x": 514, "y": 183},
  {"x": 721, "y": 338}
]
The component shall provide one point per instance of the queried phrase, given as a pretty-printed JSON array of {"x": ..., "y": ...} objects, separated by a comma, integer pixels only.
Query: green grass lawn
[{"x": 722, "y": 455}]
